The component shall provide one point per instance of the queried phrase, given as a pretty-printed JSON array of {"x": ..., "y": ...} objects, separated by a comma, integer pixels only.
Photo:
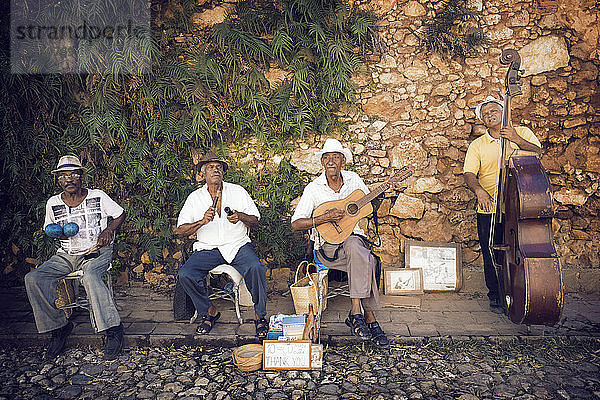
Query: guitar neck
[{"x": 367, "y": 198}]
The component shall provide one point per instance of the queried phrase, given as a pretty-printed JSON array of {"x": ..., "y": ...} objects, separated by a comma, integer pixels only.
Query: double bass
[{"x": 526, "y": 261}]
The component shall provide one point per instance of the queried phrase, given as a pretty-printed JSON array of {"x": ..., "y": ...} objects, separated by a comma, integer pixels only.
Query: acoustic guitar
[{"x": 357, "y": 206}]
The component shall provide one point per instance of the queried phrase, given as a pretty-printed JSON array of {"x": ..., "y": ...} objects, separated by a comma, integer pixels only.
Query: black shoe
[
  {"x": 114, "y": 342},
  {"x": 58, "y": 341}
]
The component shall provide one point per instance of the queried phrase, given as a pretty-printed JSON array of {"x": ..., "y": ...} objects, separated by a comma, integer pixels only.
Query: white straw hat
[
  {"x": 489, "y": 99},
  {"x": 334, "y": 146}
]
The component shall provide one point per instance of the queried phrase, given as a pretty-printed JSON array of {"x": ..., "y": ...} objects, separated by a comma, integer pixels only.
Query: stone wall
[{"x": 418, "y": 108}]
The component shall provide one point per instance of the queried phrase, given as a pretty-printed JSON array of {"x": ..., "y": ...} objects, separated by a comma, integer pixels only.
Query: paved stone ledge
[{"x": 147, "y": 318}]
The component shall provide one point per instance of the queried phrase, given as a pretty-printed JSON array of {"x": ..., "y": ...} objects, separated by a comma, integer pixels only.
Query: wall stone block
[
  {"x": 407, "y": 207},
  {"x": 547, "y": 53},
  {"x": 576, "y": 197},
  {"x": 428, "y": 184},
  {"x": 406, "y": 153}
]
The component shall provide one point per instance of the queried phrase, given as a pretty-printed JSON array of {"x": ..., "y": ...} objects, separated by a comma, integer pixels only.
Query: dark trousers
[
  {"x": 484, "y": 222},
  {"x": 193, "y": 273}
]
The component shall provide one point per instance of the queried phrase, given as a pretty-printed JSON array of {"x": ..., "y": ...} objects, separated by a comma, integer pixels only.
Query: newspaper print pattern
[{"x": 88, "y": 216}]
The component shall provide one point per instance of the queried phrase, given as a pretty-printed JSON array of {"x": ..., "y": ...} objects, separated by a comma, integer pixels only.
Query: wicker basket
[
  {"x": 248, "y": 357},
  {"x": 305, "y": 290}
]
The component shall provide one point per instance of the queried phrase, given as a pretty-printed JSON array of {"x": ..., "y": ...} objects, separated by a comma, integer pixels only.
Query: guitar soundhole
[{"x": 352, "y": 208}]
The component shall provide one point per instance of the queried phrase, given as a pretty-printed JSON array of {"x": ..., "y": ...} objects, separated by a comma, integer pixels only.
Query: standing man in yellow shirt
[{"x": 481, "y": 176}]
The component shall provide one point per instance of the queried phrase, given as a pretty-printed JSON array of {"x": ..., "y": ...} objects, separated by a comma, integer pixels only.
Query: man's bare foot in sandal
[
  {"x": 208, "y": 321},
  {"x": 378, "y": 336},
  {"x": 356, "y": 321},
  {"x": 262, "y": 327}
]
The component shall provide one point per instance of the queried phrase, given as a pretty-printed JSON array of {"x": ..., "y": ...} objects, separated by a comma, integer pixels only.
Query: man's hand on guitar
[{"x": 333, "y": 215}]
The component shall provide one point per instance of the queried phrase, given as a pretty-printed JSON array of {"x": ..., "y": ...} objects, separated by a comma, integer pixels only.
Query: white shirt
[
  {"x": 91, "y": 216},
  {"x": 219, "y": 233},
  {"x": 318, "y": 192}
]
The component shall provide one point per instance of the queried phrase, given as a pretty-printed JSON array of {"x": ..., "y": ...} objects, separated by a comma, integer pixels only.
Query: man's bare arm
[
  {"x": 303, "y": 224},
  {"x": 249, "y": 220},
  {"x": 192, "y": 227},
  {"x": 508, "y": 132},
  {"x": 107, "y": 235}
]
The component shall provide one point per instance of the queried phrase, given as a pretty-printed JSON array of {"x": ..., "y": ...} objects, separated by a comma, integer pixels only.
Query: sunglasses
[{"x": 64, "y": 177}]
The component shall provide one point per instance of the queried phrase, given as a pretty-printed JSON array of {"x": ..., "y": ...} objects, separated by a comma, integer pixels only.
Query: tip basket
[{"x": 248, "y": 357}]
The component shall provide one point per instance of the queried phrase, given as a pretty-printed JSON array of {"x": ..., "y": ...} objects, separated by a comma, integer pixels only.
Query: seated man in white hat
[
  {"x": 221, "y": 214},
  {"x": 352, "y": 256},
  {"x": 481, "y": 176},
  {"x": 90, "y": 250}
]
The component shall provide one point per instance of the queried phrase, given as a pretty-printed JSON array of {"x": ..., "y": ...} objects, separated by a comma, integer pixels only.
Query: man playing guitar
[{"x": 352, "y": 255}]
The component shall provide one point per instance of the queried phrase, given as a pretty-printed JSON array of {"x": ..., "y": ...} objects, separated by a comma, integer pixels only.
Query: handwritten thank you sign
[{"x": 279, "y": 354}]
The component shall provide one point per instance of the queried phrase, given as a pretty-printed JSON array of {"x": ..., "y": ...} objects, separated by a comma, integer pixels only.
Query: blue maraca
[
  {"x": 70, "y": 229},
  {"x": 54, "y": 230}
]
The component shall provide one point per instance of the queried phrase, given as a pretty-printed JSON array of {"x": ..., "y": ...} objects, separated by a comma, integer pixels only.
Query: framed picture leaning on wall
[
  {"x": 403, "y": 281},
  {"x": 441, "y": 264}
]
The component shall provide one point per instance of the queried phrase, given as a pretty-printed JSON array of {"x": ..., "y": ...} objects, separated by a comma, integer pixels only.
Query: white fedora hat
[
  {"x": 334, "y": 146},
  {"x": 489, "y": 99}
]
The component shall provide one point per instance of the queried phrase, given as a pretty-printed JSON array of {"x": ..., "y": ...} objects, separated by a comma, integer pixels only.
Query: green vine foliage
[
  {"x": 137, "y": 134},
  {"x": 275, "y": 189},
  {"x": 454, "y": 31}
]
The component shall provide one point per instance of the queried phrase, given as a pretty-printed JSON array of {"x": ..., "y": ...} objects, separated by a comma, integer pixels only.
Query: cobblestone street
[
  {"x": 427, "y": 369},
  {"x": 447, "y": 346}
]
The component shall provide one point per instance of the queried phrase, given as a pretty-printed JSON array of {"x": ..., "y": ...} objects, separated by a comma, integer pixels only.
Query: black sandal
[
  {"x": 262, "y": 327},
  {"x": 359, "y": 328},
  {"x": 378, "y": 336},
  {"x": 208, "y": 322}
]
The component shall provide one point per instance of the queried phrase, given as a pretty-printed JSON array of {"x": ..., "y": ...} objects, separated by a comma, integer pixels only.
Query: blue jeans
[
  {"x": 41, "y": 286},
  {"x": 192, "y": 276}
]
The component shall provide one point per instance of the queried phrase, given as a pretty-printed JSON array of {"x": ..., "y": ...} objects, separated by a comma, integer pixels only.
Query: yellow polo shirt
[{"x": 482, "y": 159}]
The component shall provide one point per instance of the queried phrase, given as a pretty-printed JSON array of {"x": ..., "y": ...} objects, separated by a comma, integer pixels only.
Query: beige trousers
[{"x": 359, "y": 263}]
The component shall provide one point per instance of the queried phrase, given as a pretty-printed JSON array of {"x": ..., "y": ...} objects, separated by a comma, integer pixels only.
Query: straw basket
[
  {"x": 248, "y": 357},
  {"x": 305, "y": 290}
]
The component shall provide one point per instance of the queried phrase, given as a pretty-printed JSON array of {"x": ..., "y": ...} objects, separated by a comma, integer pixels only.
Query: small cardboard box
[{"x": 293, "y": 325}]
